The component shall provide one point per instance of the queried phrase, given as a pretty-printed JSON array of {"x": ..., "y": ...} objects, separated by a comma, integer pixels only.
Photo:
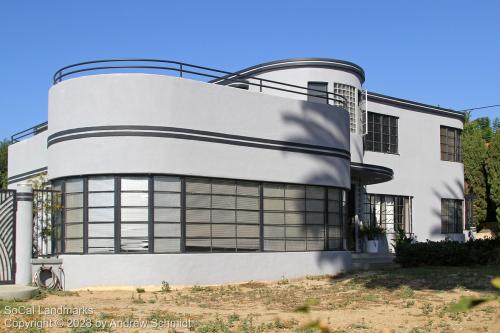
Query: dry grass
[{"x": 404, "y": 300}]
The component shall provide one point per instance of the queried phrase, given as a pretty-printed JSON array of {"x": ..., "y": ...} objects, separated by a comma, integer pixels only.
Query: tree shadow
[{"x": 476, "y": 278}]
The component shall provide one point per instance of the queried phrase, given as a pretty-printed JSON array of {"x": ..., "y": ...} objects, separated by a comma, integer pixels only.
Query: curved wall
[
  {"x": 139, "y": 123},
  {"x": 300, "y": 76}
]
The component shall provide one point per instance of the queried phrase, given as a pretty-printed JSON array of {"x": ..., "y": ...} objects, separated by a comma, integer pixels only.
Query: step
[
  {"x": 17, "y": 292},
  {"x": 367, "y": 266}
]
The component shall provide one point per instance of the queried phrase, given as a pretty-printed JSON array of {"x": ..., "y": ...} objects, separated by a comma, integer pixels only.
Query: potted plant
[{"x": 372, "y": 233}]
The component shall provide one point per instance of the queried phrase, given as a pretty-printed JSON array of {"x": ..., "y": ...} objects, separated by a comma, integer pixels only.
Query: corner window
[
  {"x": 451, "y": 144},
  {"x": 451, "y": 216},
  {"x": 317, "y": 92},
  {"x": 382, "y": 133},
  {"x": 350, "y": 95}
]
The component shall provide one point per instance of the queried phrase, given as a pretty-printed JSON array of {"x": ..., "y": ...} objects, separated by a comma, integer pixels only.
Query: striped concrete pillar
[{"x": 24, "y": 233}]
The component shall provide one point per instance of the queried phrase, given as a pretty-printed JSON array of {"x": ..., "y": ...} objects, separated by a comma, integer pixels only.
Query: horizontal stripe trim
[
  {"x": 25, "y": 199},
  {"x": 196, "y": 135},
  {"x": 25, "y": 175}
]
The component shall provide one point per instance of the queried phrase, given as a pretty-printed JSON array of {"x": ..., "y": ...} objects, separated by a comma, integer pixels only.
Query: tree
[
  {"x": 485, "y": 127},
  {"x": 3, "y": 163},
  {"x": 493, "y": 172},
  {"x": 474, "y": 156},
  {"x": 496, "y": 125}
]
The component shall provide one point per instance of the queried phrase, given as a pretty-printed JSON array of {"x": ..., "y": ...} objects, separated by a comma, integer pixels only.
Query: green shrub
[{"x": 448, "y": 253}]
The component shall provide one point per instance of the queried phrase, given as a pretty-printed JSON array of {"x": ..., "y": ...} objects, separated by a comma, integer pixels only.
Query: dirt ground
[{"x": 401, "y": 300}]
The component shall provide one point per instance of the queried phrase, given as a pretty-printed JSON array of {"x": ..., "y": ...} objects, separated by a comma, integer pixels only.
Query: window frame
[
  {"x": 455, "y": 206},
  {"x": 371, "y": 143},
  {"x": 332, "y": 219},
  {"x": 456, "y": 147}
]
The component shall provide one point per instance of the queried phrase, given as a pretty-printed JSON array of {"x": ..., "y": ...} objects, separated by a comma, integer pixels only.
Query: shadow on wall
[{"x": 317, "y": 128}]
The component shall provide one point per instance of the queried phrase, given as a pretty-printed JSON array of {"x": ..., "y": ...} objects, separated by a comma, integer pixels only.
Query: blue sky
[{"x": 443, "y": 53}]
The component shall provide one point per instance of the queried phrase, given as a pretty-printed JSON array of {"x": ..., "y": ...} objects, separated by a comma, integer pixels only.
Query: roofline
[
  {"x": 301, "y": 62},
  {"x": 416, "y": 105}
]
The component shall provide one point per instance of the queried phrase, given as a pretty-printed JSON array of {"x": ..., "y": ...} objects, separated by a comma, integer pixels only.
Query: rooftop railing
[
  {"x": 183, "y": 70},
  {"x": 29, "y": 132}
]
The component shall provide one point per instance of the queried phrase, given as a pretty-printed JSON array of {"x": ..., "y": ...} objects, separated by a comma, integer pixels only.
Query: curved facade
[{"x": 287, "y": 156}]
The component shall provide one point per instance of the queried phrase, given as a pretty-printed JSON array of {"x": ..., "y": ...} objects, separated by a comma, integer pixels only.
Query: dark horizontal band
[
  {"x": 25, "y": 175},
  {"x": 195, "y": 135}
]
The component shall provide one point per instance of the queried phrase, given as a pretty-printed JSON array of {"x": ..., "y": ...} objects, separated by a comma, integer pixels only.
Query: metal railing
[
  {"x": 183, "y": 69},
  {"x": 29, "y": 132}
]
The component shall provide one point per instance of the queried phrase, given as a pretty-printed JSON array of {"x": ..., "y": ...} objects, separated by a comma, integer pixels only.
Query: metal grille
[
  {"x": 7, "y": 235},
  {"x": 46, "y": 222}
]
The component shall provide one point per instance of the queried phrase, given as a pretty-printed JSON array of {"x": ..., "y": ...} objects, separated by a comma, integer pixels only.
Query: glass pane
[
  {"x": 101, "y": 184},
  {"x": 167, "y": 199},
  {"x": 101, "y": 199},
  {"x": 274, "y": 190},
  {"x": 101, "y": 246},
  {"x": 134, "y": 184},
  {"x": 102, "y": 230},
  {"x": 134, "y": 245},
  {"x": 74, "y": 230},
  {"x": 167, "y": 230},
  {"x": 167, "y": 245},
  {"x": 167, "y": 215},
  {"x": 245, "y": 188},
  {"x": 74, "y": 200},
  {"x": 74, "y": 185},
  {"x": 134, "y": 230},
  {"x": 101, "y": 214},
  {"x": 134, "y": 199},
  {"x": 134, "y": 214},
  {"x": 74, "y": 215},
  {"x": 223, "y": 187},
  {"x": 172, "y": 184},
  {"x": 198, "y": 185},
  {"x": 73, "y": 245}
]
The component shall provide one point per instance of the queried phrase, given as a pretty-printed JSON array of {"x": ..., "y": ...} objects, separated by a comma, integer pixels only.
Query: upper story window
[
  {"x": 382, "y": 133},
  {"x": 451, "y": 216},
  {"x": 317, "y": 92},
  {"x": 451, "y": 144},
  {"x": 349, "y": 93}
]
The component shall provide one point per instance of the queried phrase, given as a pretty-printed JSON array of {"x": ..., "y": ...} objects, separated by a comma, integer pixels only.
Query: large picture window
[
  {"x": 451, "y": 143},
  {"x": 382, "y": 135},
  {"x": 172, "y": 214},
  {"x": 391, "y": 212},
  {"x": 221, "y": 215},
  {"x": 451, "y": 216}
]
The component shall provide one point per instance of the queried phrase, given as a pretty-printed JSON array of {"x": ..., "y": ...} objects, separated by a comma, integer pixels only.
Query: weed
[
  {"x": 140, "y": 290},
  {"x": 406, "y": 292},
  {"x": 283, "y": 281},
  {"x": 165, "y": 287},
  {"x": 427, "y": 309}
]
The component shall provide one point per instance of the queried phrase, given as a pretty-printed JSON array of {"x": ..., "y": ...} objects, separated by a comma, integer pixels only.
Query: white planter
[{"x": 372, "y": 246}]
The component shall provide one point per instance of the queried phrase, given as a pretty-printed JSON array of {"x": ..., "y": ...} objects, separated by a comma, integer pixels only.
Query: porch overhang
[{"x": 371, "y": 174}]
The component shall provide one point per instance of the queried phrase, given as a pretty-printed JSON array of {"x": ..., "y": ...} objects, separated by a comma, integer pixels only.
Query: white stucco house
[{"x": 195, "y": 175}]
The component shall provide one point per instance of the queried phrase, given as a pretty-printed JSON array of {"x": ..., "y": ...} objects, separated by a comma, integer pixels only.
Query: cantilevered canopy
[{"x": 371, "y": 174}]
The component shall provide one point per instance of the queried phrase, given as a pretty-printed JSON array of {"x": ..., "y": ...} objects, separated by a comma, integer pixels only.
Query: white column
[{"x": 24, "y": 233}]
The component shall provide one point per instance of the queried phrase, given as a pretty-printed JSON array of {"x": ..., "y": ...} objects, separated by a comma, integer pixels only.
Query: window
[
  {"x": 222, "y": 215},
  {"x": 101, "y": 215},
  {"x": 391, "y": 212},
  {"x": 134, "y": 214},
  {"x": 294, "y": 218},
  {"x": 451, "y": 144},
  {"x": 167, "y": 214},
  {"x": 350, "y": 95},
  {"x": 73, "y": 216},
  {"x": 382, "y": 133},
  {"x": 451, "y": 216},
  {"x": 317, "y": 96},
  {"x": 173, "y": 214}
]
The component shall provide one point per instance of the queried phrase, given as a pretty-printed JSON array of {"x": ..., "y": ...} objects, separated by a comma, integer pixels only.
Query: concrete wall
[
  {"x": 418, "y": 169},
  {"x": 200, "y": 269},
  {"x": 154, "y": 100},
  {"x": 27, "y": 158}
]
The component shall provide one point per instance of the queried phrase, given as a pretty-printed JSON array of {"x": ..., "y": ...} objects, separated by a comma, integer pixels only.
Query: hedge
[{"x": 448, "y": 253}]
